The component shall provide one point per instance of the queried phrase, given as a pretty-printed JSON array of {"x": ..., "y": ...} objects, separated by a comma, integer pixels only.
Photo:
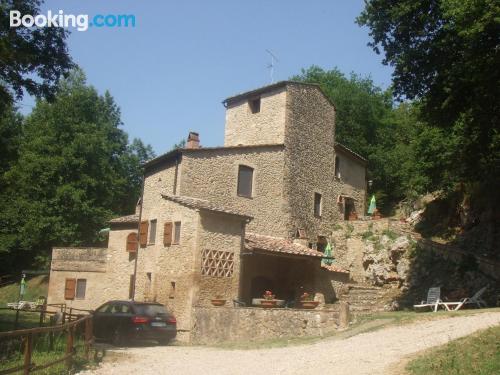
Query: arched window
[{"x": 132, "y": 242}]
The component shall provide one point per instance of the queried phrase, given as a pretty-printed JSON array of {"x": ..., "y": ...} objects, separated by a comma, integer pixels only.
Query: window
[
  {"x": 167, "y": 234},
  {"x": 132, "y": 243},
  {"x": 143, "y": 233},
  {"x": 254, "y": 105},
  {"x": 75, "y": 288},
  {"x": 245, "y": 179},
  {"x": 317, "y": 204},
  {"x": 69, "y": 289},
  {"x": 81, "y": 286},
  {"x": 171, "y": 294},
  {"x": 177, "y": 232},
  {"x": 217, "y": 263},
  {"x": 337, "y": 167},
  {"x": 152, "y": 232}
]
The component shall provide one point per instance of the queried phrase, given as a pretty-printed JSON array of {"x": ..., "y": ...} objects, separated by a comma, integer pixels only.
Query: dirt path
[{"x": 371, "y": 353}]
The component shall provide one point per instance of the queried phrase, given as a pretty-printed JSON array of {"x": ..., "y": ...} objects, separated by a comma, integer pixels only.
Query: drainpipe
[{"x": 138, "y": 237}]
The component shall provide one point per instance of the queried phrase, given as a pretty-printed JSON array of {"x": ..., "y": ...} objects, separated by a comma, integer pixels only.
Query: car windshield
[{"x": 150, "y": 310}]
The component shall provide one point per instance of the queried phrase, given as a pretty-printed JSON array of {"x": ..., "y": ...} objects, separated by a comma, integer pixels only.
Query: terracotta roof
[
  {"x": 202, "y": 204},
  {"x": 347, "y": 150},
  {"x": 333, "y": 268},
  {"x": 126, "y": 219},
  {"x": 278, "y": 245}
]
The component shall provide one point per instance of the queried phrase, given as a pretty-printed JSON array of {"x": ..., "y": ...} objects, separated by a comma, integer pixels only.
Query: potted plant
[
  {"x": 218, "y": 300},
  {"x": 307, "y": 301},
  {"x": 269, "y": 299}
]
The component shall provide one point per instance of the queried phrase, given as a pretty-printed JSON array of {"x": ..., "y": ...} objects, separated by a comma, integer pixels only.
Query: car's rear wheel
[{"x": 164, "y": 341}]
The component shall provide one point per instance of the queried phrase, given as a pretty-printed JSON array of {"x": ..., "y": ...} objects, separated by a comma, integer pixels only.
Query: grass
[
  {"x": 36, "y": 287},
  {"x": 475, "y": 354},
  {"x": 362, "y": 324}
]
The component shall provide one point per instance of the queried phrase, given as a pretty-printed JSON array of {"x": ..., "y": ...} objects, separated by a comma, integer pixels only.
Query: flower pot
[
  {"x": 309, "y": 304},
  {"x": 218, "y": 302},
  {"x": 267, "y": 303}
]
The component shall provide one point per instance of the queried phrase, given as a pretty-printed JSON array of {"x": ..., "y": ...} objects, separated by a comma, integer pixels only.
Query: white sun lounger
[
  {"x": 475, "y": 299},
  {"x": 433, "y": 299}
]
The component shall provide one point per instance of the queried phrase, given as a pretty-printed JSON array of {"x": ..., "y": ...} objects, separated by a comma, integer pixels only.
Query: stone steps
[{"x": 365, "y": 298}]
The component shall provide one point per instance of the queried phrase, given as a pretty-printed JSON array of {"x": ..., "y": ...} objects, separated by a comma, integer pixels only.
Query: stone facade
[
  {"x": 265, "y": 127},
  {"x": 284, "y": 132}
]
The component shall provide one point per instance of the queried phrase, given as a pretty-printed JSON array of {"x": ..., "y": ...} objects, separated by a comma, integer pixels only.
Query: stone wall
[
  {"x": 79, "y": 263},
  {"x": 265, "y": 127},
  {"x": 226, "y": 324},
  {"x": 352, "y": 183},
  {"x": 309, "y": 160},
  {"x": 222, "y": 233},
  {"x": 213, "y": 175}
]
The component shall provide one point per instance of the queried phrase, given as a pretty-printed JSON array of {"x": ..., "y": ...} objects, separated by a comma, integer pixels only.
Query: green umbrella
[
  {"x": 22, "y": 289},
  {"x": 373, "y": 205},
  {"x": 328, "y": 255}
]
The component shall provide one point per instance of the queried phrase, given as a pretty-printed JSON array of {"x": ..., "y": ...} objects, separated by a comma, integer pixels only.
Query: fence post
[
  {"x": 88, "y": 336},
  {"x": 42, "y": 314},
  {"x": 16, "y": 321},
  {"x": 69, "y": 347},
  {"x": 28, "y": 349}
]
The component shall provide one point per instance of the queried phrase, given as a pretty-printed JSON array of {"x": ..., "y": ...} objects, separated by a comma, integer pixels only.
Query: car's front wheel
[{"x": 117, "y": 338}]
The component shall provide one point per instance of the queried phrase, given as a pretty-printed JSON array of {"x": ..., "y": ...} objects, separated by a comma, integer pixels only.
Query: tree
[
  {"x": 75, "y": 171},
  {"x": 31, "y": 59},
  {"x": 445, "y": 54}
]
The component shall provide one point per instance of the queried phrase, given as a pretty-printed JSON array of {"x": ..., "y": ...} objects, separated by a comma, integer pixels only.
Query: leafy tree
[
  {"x": 75, "y": 170},
  {"x": 445, "y": 54},
  {"x": 31, "y": 59},
  {"x": 361, "y": 106}
]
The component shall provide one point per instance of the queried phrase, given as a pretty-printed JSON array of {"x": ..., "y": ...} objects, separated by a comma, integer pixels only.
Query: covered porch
[{"x": 287, "y": 270}]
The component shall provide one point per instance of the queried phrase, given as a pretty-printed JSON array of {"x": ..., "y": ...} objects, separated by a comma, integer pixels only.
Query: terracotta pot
[
  {"x": 309, "y": 304},
  {"x": 218, "y": 302},
  {"x": 268, "y": 303}
]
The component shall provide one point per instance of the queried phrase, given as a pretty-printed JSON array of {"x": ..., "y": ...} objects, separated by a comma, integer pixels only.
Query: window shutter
[
  {"x": 167, "y": 234},
  {"x": 132, "y": 242},
  {"x": 143, "y": 236},
  {"x": 69, "y": 289}
]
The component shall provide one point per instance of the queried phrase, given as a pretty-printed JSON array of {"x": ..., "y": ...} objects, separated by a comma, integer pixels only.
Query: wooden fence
[{"x": 82, "y": 325}]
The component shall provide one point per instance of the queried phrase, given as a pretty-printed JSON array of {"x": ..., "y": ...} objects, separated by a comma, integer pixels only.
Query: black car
[{"x": 124, "y": 321}]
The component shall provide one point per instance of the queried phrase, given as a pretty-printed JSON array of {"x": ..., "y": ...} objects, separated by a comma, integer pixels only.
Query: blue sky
[{"x": 171, "y": 72}]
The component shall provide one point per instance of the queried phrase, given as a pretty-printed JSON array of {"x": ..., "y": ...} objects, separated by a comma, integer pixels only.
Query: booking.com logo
[{"x": 80, "y": 22}]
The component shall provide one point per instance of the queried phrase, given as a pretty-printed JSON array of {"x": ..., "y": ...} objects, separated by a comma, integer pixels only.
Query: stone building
[{"x": 231, "y": 221}]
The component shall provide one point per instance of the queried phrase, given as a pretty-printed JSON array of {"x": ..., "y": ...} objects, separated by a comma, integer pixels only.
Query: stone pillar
[{"x": 344, "y": 315}]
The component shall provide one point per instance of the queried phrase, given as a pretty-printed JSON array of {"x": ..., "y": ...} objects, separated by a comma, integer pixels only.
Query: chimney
[{"x": 193, "y": 140}]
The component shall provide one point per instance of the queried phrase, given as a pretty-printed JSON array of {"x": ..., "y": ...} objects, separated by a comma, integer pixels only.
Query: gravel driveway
[{"x": 367, "y": 353}]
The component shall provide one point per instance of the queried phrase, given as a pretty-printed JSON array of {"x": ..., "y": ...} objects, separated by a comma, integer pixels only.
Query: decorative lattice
[{"x": 217, "y": 263}]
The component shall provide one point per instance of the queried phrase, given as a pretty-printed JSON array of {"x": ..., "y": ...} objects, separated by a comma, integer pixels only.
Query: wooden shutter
[
  {"x": 167, "y": 234},
  {"x": 69, "y": 289},
  {"x": 144, "y": 233},
  {"x": 132, "y": 242}
]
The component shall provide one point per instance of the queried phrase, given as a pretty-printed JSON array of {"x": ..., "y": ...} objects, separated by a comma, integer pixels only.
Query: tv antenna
[{"x": 270, "y": 66}]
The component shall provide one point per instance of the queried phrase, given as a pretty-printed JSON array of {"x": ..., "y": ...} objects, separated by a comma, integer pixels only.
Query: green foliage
[
  {"x": 74, "y": 171},
  {"x": 367, "y": 235},
  {"x": 349, "y": 228},
  {"x": 390, "y": 233},
  {"x": 445, "y": 54},
  {"x": 180, "y": 144},
  {"x": 32, "y": 59},
  {"x": 475, "y": 354}
]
